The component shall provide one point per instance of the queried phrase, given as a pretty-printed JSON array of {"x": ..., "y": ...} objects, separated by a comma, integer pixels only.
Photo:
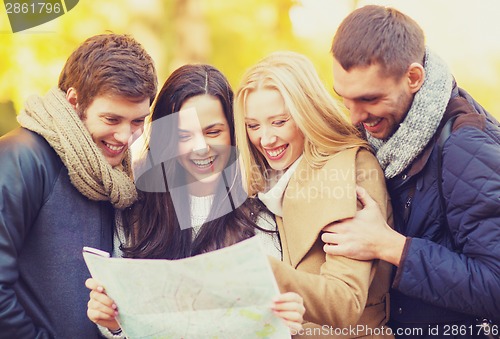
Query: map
[{"x": 221, "y": 294}]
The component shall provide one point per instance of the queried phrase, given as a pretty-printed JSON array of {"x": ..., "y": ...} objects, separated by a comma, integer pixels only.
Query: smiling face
[
  {"x": 378, "y": 102},
  {"x": 204, "y": 142},
  {"x": 271, "y": 129},
  {"x": 113, "y": 123}
]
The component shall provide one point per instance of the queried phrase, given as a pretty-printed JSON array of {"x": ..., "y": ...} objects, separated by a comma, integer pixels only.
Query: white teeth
[
  {"x": 276, "y": 152},
  {"x": 115, "y": 148},
  {"x": 371, "y": 124},
  {"x": 204, "y": 162}
]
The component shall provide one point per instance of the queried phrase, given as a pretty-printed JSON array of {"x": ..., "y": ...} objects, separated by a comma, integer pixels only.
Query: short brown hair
[
  {"x": 376, "y": 34},
  {"x": 109, "y": 64}
]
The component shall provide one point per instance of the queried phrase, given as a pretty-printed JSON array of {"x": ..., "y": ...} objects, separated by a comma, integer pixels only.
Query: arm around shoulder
[
  {"x": 388, "y": 243},
  {"x": 370, "y": 176}
]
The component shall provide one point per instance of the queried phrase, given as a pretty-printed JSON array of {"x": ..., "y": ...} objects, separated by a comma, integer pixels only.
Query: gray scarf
[{"x": 421, "y": 122}]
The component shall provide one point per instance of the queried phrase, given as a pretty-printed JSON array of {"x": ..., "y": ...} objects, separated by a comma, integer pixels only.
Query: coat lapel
[{"x": 315, "y": 198}]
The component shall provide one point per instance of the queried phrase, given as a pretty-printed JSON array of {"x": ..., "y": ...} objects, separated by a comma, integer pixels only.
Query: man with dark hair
[
  {"x": 445, "y": 190},
  {"x": 64, "y": 172}
]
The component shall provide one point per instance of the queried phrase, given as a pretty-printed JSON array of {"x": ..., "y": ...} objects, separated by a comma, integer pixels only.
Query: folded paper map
[{"x": 221, "y": 294}]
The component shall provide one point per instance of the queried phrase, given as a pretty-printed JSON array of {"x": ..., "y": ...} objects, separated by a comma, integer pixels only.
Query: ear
[
  {"x": 416, "y": 77},
  {"x": 72, "y": 97}
]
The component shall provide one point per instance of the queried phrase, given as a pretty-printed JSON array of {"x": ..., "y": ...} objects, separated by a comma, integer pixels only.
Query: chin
[
  {"x": 279, "y": 167},
  {"x": 209, "y": 179},
  {"x": 115, "y": 162}
]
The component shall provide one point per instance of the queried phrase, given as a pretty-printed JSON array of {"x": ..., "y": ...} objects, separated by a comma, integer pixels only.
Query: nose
[
  {"x": 268, "y": 138},
  {"x": 123, "y": 133},
  {"x": 357, "y": 113},
  {"x": 200, "y": 146}
]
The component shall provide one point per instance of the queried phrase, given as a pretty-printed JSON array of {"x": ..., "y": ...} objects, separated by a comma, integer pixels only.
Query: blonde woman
[{"x": 303, "y": 159}]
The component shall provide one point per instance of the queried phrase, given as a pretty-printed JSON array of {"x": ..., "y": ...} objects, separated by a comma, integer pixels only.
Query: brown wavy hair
[{"x": 110, "y": 64}]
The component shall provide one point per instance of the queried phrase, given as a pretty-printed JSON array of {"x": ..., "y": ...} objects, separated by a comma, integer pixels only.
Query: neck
[{"x": 201, "y": 189}]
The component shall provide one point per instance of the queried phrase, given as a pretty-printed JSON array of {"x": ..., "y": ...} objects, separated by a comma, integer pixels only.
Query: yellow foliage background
[{"x": 232, "y": 35}]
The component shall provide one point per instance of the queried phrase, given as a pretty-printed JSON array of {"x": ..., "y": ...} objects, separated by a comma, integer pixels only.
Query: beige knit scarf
[{"x": 55, "y": 119}]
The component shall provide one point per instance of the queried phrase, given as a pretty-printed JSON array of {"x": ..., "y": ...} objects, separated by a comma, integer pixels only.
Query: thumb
[{"x": 364, "y": 197}]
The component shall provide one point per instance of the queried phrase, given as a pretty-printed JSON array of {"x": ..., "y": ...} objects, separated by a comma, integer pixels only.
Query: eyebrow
[
  {"x": 285, "y": 114},
  {"x": 360, "y": 97},
  {"x": 205, "y": 128},
  {"x": 214, "y": 125},
  {"x": 114, "y": 115}
]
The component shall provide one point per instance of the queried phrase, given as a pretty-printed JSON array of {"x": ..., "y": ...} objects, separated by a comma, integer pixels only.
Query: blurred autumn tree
[{"x": 231, "y": 35}]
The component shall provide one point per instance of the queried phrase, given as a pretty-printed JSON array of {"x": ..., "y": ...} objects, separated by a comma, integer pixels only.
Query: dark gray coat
[{"x": 44, "y": 224}]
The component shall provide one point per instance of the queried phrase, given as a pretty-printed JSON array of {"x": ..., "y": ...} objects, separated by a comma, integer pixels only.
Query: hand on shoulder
[{"x": 366, "y": 236}]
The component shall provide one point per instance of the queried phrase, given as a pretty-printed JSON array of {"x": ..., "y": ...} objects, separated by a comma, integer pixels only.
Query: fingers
[
  {"x": 335, "y": 239},
  {"x": 98, "y": 312},
  {"x": 102, "y": 298},
  {"x": 102, "y": 315},
  {"x": 287, "y": 308},
  {"x": 338, "y": 244},
  {"x": 363, "y": 196},
  {"x": 100, "y": 305},
  {"x": 338, "y": 226},
  {"x": 331, "y": 249},
  {"x": 288, "y": 296},
  {"x": 330, "y": 238},
  {"x": 92, "y": 284},
  {"x": 103, "y": 319},
  {"x": 101, "y": 309},
  {"x": 98, "y": 294},
  {"x": 290, "y": 307},
  {"x": 294, "y": 327},
  {"x": 337, "y": 234}
]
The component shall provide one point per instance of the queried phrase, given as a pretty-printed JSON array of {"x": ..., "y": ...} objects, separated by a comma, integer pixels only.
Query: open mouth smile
[
  {"x": 276, "y": 153},
  {"x": 113, "y": 148},
  {"x": 373, "y": 123},
  {"x": 203, "y": 163}
]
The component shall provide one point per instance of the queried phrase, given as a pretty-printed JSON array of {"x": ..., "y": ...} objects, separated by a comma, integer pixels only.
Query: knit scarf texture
[
  {"x": 53, "y": 117},
  {"x": 421, "y": 121}
]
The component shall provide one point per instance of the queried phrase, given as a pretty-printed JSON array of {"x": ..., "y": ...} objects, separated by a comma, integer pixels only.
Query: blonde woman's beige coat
[{"x": 340, "y": 293}]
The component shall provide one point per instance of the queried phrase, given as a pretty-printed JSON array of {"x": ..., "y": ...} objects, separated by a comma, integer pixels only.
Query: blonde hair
[{"x": 316, "y": 113}]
